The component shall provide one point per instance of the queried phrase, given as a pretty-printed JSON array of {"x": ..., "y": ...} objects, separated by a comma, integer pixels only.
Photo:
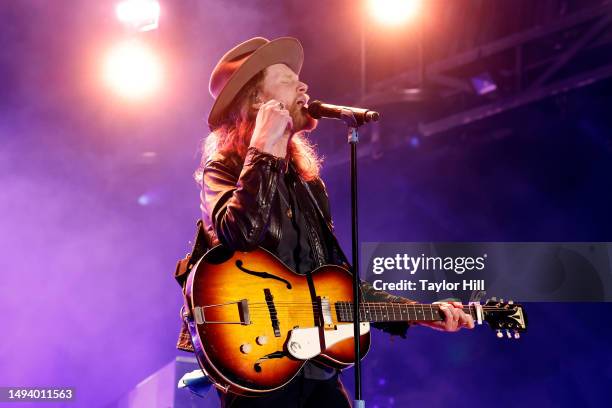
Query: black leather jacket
[{"x": 241, "y": 210}]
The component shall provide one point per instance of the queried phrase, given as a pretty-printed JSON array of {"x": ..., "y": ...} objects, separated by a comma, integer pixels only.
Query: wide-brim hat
[{"x": 243, "y": 62}]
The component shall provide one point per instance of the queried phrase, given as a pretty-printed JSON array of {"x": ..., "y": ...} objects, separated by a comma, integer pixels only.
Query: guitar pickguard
[{"x": 305, "y": 343}]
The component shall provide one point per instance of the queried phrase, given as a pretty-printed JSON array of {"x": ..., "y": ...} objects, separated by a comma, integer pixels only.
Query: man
[{"x": 261, "y": 187}]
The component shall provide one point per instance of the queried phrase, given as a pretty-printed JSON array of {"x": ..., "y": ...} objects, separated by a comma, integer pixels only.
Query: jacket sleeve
[{"x": 238, "y": 203}]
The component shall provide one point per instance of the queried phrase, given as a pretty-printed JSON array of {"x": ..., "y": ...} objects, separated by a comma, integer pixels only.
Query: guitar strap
[{"x": 328, "y": 227}]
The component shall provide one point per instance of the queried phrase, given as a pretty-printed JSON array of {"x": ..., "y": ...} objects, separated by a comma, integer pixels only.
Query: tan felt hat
[{"x": 243, "y": 62}]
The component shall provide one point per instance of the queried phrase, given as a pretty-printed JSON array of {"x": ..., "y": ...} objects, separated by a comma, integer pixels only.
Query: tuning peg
[
  {"x": 499, "y": 334},
  {"x": 501, "y": 300},
  {"x": 493, "y": 299},
  {"x": 511, "y": 302},
  {"x": 508, "y": 334},
  {"x": 517, "y": 335}
]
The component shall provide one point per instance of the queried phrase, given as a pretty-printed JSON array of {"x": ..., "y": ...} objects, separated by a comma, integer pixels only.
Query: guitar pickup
[
  {"x": 273, "y": 313},
  {"x": 325, "y": 312}
]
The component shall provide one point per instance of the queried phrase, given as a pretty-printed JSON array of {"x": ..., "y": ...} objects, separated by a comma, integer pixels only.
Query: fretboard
[{"x": 394, "y": 312}]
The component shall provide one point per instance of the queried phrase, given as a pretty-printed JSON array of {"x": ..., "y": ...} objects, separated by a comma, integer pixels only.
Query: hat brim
[{"x": 284, "y": 50}]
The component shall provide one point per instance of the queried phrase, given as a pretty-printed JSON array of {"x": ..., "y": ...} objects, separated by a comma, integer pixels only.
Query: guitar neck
[{"x": 395, "y": 312}]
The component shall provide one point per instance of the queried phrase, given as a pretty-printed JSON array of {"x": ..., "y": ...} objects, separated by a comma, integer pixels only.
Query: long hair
[{"x": 233, "y": 136}]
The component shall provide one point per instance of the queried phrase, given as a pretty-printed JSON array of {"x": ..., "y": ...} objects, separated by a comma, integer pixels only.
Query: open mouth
[{"x": 302, "y": 106}]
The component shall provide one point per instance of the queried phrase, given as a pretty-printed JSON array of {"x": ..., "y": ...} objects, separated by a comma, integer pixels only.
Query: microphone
[{"x": 318, "y": 109}]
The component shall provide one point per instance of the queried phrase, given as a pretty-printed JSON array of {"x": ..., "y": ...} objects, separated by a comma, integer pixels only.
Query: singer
[{"x": 261, "y": 186}]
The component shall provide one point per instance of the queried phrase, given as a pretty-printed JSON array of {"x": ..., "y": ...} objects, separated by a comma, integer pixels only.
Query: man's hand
[
  {"x": 454, "y": 318},
  {"x": 272, "y": 128}
]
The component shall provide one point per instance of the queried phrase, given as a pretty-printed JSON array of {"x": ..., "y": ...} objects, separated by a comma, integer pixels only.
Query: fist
[{"x": 272, "y": 128}]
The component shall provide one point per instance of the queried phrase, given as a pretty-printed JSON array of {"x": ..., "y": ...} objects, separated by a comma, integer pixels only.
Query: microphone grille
[
  {"x": 372, "y": 116},
  {"x": 314, "y": 109}
]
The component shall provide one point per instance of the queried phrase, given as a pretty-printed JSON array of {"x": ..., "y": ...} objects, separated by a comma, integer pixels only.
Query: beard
[{"x": 302, "y": 121}]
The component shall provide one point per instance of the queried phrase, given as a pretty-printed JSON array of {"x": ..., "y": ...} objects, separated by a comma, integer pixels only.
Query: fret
[
  {"x": 387, "y": 312},
  {"x": 473, "y": 312}
]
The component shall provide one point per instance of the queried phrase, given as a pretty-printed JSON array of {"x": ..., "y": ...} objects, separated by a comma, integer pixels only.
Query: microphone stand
[{"x": 353, "y": 137}]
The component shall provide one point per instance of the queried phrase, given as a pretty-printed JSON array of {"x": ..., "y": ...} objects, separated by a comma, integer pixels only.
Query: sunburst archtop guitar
[{"x": 254, "y": 322}]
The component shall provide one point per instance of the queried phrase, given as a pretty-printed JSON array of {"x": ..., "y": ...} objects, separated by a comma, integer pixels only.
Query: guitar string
[
  {"x": 374, "y": 313},
  {"x": 337, "y": 311},
  {"x": 347, "y": 307},
  {"x": 348, "y": 303},
  {"x": 400, "y": 306}
]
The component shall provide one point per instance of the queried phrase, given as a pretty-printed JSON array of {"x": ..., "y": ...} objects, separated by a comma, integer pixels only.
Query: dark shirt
[{"x": 294, "y": 248}]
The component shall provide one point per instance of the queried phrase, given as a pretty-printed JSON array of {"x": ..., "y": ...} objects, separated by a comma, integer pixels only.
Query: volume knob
[
  {"x": 246, "y": 348},
  {"x": 261, "y": 340}
]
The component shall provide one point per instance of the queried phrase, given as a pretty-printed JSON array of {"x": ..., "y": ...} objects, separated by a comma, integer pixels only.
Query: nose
[{"x": 302, "y": 88}]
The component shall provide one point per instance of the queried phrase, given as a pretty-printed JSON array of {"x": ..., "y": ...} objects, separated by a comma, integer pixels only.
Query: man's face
[{"x": 282, "y": 84}]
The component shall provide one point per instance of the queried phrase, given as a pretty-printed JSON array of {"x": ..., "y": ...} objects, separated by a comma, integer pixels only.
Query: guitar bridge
[{"x": 243, "y": 312}]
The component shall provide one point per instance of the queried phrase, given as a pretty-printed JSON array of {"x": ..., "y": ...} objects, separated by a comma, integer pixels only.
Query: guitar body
[{"x": 254, "y": 322}]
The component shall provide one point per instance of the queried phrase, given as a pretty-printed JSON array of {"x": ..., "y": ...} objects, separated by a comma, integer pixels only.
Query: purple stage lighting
[{"x": 483, "y": 83}]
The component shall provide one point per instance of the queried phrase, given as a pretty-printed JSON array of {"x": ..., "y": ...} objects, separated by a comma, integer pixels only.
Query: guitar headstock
[{"x": 507, "y": 316}]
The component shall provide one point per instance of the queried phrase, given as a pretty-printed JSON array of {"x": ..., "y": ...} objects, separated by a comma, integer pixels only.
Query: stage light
[
  {"x": 144, "y": 200},
  {"x": 132, "y": 70},
  {"x": 483, "y": 83},
  {"x": 142, "y": 15},
  {"x": 414, "y": 141},
  {"x": 394, "y": 12}
]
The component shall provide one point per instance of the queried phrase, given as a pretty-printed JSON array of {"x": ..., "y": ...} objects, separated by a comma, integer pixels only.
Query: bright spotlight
[
  {"x": 132, "y": 70},
  {"x": 394, "y": 12},
  {"x": 142, "y": 15}
]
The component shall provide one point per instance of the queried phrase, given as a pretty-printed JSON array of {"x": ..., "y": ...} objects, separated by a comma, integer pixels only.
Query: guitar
[{"x": 254, "y": 322}]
